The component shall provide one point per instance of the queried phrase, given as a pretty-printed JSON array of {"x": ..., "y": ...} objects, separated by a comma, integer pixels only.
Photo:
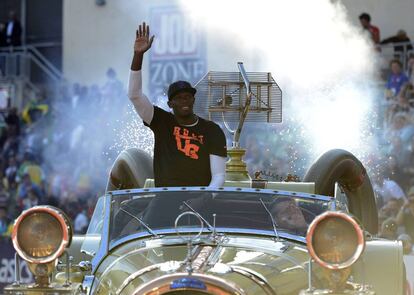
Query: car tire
[
  {"x": 130, "y": 170},
  {"x": 343, "y": 167}
]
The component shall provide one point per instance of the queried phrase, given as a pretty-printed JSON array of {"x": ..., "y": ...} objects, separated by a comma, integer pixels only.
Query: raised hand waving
[{"x": 142, "y": 41}]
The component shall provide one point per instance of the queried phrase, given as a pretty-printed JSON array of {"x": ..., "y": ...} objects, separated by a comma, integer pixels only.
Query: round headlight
[
  {"x": 335, "y": 240},
  {"x": 41, "y": 234}
]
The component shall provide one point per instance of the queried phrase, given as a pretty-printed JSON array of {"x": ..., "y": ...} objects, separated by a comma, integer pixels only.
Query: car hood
[{"x": 254, "y": 265}]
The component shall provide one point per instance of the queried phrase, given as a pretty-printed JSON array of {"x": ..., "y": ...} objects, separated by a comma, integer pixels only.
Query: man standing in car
[{"x": 189, "y": 150}]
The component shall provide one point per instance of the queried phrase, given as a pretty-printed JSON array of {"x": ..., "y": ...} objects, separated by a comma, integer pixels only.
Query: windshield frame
[
  {"x": 166, "y": 233},
  {"x": 234, "y": 230}
]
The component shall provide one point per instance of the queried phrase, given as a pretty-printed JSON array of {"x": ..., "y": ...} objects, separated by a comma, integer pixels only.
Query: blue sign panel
[
  {"x": 7, "y": 264},
  {"x": 178, "y": 51}
]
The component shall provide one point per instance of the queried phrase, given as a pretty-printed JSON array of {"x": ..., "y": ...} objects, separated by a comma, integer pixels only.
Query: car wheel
[
  {"x": 130, "y": 170},
  {"x": 343, "y": 167}
]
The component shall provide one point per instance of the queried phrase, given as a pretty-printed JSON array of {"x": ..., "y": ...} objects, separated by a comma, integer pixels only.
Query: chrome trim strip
[
  {"x": 283, "y": 255},
  {"x": 255, "y": 277},
  {"x": 154, "y": 286},
  {"x": 104, "y": 246},
  {"x": 87, "y": 283},
  {"x": 116, "y": 260},
  {"x": 199, "y": 260},
  {"x": 136, "y": 274},
  {"x": 222, "y": 189},
  {"x": 241, "y": 231},
  {"x": 215, "y": 256}
]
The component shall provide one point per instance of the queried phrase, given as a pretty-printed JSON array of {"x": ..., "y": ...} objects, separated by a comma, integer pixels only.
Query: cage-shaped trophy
[{"x": 235, "y": 98}]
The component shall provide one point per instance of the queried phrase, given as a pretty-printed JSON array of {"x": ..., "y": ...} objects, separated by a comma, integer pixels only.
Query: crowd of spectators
[
  {"x": 394, "y": 159},
  {"x": 48, "y": 155},
  {"x": 395, "y": 184}
]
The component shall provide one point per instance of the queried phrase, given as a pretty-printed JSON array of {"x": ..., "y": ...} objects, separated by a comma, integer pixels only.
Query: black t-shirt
[{"x": 182, "y": 153}]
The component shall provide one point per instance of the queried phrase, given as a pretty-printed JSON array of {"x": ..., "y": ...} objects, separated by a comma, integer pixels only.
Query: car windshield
[{"x": 238, "y": 211}]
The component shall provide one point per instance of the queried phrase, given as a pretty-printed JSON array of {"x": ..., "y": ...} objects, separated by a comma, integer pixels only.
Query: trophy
[{"x": 234, "y": 98}]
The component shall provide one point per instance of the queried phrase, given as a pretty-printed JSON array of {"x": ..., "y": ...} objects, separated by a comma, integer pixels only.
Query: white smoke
[{"x": 324, "y": 64}]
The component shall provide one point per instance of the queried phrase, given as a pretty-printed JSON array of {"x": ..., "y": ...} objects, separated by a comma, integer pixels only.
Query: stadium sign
[{"x": 178, "y": 52}]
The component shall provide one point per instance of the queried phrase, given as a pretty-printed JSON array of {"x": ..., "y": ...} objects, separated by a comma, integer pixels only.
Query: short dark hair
[
  {"x": 365, "y": 16},
  {"x": 396, "y": 61}
]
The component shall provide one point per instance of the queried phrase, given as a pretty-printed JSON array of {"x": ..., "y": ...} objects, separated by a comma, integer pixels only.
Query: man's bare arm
[{"x": 142, "y": 105}]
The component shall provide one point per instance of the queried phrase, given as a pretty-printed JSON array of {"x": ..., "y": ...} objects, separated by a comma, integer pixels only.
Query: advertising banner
[
  {"x": 178, "y": 51},
  {"x": 7, "y": 264}
]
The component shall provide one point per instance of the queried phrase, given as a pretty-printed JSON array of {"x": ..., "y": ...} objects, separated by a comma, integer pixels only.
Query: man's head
[
  {"x": 389, "y": 229},
  {"x": 402, "y": 35},
  {"x": 28, "y": 155},
  {"x": 391, "y": 207},
  {"x": 3, "y": 211},
  {"x": 365, "y": 20},
  {"x": 13, "y": 111},
  {"x": 410, "y": 63},
  {"x": 12, "y": 15},
  {"x": 3, "y": 206},
  {"x": 181, "y": 98},
  {"x": 396, "y": 66},
  {"x": 288, "y": 215},
  {"x": 400, "y": 120},
  {"x": 12, "y": 160},
  {"x": 26, "y": 179},
  {"x": 110, "y": 73},
  {"x": 32, "y": 195}
]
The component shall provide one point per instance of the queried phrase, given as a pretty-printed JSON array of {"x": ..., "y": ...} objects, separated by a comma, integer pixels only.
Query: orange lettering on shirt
[{"x": 190, "y": 148}]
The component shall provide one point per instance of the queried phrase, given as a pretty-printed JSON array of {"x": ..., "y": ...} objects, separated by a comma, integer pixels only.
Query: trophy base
[{"x": 236, "y": 169}]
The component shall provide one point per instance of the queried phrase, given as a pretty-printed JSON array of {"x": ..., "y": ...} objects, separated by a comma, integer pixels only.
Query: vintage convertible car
[{"x": 250, "y": 237}]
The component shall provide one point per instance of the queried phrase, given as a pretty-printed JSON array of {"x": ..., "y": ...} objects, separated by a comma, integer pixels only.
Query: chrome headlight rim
[
  {"x": 65, "y": 227},
  {"x": 356, "y": 226}
]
